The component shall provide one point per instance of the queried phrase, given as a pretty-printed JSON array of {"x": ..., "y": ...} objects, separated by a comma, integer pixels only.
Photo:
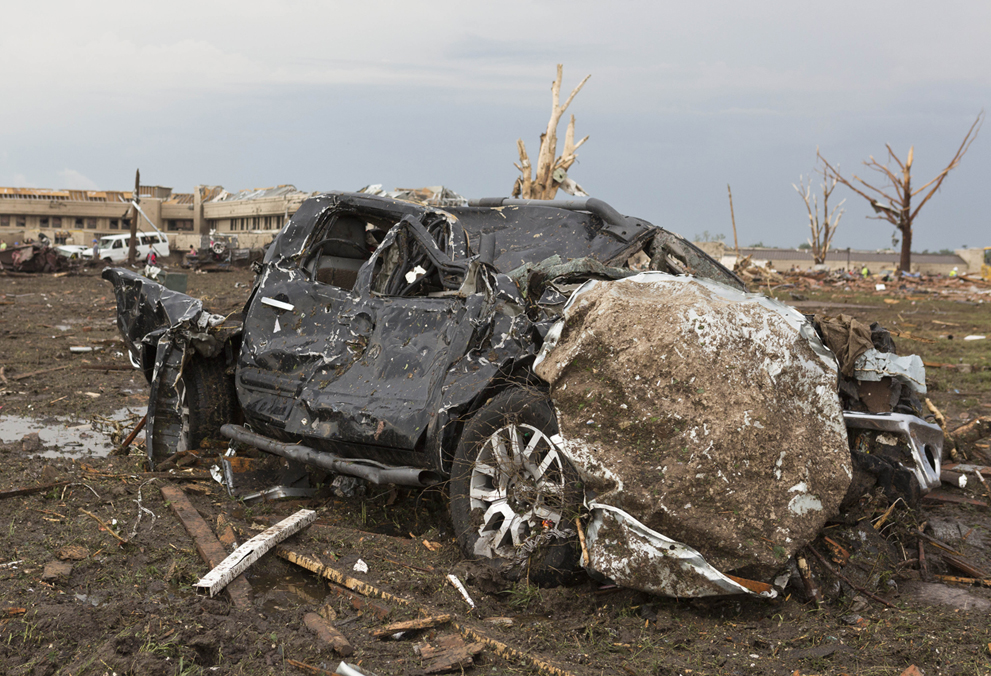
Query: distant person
[
  {"x": 865, "y": 273},
  {"x": 96, "y": 250},
  {"x": 953, "y": 272},
  {"x": 189, "y": 257},
  {"x": 3, "y": 246}
]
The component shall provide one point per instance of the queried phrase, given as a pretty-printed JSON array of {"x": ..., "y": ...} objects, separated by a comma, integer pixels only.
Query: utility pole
[
  {"x": 132, "y": 248},
  {"x": 732, "y": 216}
]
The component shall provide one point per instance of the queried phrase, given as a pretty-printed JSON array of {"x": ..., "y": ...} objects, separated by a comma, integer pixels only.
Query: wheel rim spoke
[
  {"x": 514, "y": 442},
  {"x": 518, "y": 480}
]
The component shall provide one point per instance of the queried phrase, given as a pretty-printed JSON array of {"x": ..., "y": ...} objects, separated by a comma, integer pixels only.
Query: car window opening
[
  {"x": 340, "y": 249},
  {"x": 405, "y": 268}
]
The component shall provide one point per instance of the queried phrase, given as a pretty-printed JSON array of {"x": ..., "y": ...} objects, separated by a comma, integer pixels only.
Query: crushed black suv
[{"x": 395, "y": 342}]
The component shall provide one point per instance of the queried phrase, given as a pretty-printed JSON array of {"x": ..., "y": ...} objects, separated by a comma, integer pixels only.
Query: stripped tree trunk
[{"x": 551, "y": 172}]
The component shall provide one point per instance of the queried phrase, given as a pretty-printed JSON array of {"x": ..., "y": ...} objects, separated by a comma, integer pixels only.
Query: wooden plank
[
  {"x": 941, "y": 496},
  {"x": 251, "y": 551},
  {"x": 409, "y": 625},
  {"x": 207, "y": 544},
  {"x": 448, "y": 652}
]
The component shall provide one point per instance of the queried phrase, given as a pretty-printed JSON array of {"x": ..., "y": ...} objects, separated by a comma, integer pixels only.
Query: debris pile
[{"x": 32, "y": 258}]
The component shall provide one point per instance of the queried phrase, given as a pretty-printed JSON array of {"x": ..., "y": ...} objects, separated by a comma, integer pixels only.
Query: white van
[{"x": 114, "y": 248}]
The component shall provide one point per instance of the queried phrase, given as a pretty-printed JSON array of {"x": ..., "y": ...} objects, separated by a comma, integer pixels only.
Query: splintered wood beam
[
  {"x": 410, "y": 625},
  {"x": 338, "y": 577},
  {"x": 501, "y": 649},
  {"x": 252, "y": 550},
  {"x": 207, "y": 544}
]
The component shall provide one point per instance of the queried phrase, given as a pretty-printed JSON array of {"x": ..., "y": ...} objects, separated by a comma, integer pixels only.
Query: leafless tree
[
  {"x": 552, "y": 172},
  {"x": 822, "y": 227},
  {"x": 893, "y": 203}
]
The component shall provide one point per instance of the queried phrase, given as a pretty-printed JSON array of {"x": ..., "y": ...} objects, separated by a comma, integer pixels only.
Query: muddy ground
[{"x": 76, "y": 600}]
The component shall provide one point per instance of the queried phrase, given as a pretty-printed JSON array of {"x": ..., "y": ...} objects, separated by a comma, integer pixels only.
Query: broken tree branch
[
  {"x": 104, "y": 525},
  {"x": 31, "y": 490},
  {"x": 899, "y": 210},
  {"x": 38, "y": 373},
  {"x": 130, "y": 437},
  {"x": 410, "y": 625}
]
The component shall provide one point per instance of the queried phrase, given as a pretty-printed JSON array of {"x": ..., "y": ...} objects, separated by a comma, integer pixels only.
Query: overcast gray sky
[{"x": 683, "y": 99}]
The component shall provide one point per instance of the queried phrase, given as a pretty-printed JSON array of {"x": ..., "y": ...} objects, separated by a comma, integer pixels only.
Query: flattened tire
[{"x": 514, "y": 498}]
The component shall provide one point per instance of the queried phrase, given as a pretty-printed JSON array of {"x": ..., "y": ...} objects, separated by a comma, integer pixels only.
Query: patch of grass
[{"x": 523, "y": 594}]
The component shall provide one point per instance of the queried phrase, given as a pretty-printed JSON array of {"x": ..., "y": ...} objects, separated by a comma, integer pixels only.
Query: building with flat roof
[{"x": 80, "y": 216}]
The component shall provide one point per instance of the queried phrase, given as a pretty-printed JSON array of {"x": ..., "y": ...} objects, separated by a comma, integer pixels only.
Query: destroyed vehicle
[{"x": 597, "y": 392}]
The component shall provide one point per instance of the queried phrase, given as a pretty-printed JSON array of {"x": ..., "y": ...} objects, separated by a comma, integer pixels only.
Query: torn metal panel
[
  {"x": 534, "y": 233},
  {"x": 924, "y": 442},
  {"x": 160, "y": 328},
  {"x": 872, "y": 366},
  {"x": 708, "y": 414},
  {"x": 624, "y": 549}
]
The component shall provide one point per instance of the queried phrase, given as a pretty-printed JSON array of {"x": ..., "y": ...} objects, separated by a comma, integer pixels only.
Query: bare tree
[
  {"x": 552, "y": 172},
  {"x": 822, "y": 227},
  {"x": 894, "y": 202}
]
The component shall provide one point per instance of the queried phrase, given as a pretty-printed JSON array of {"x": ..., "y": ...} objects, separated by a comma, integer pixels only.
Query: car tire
[
  {"x": 202, "y": 401},
  {"x": 514, "y": 496},
  {"x": 209, "y": 399}
]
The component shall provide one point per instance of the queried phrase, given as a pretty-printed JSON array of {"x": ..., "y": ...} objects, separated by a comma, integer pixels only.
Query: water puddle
[
  {"x": 287, "y": 591},
  {"x": 67, "y": 438}
]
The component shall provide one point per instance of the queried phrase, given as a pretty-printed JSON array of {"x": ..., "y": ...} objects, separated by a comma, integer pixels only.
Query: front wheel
[{"x": 515, "y": 498}]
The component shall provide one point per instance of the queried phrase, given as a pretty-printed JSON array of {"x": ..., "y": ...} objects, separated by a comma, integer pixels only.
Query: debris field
[{"x": 102, "y": 554}]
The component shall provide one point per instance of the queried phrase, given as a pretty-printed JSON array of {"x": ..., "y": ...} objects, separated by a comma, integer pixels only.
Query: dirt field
[{"x": 77, "y": 599}]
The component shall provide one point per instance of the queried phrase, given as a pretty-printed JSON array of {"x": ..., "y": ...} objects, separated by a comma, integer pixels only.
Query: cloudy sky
[{"x": 684, "y": 99}]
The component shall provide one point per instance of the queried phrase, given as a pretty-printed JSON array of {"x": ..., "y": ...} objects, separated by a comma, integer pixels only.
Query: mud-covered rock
[{"x": 709, "y": 415}]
